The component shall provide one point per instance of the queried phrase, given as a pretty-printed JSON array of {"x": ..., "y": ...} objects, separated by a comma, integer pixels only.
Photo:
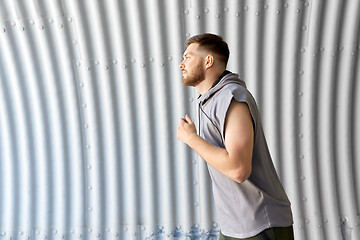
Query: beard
[{"x": 194, "y": 78}]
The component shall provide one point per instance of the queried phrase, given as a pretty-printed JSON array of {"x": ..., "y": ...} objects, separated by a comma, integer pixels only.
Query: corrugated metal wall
[{"x": 91, "y": 94}]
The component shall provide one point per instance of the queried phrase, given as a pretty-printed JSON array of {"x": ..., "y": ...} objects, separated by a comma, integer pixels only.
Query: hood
[{"x": 229, "y": 78}]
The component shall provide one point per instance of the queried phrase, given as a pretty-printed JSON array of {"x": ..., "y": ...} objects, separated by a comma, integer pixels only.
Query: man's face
[{"x": 192, "y": 66}]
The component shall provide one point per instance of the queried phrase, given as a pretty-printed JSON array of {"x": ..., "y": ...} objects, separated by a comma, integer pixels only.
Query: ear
[{"x": 209, "y": 61}]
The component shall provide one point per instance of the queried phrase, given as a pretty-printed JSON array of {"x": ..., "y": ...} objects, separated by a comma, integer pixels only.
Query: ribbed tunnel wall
[{"x": 91, "y": 94}]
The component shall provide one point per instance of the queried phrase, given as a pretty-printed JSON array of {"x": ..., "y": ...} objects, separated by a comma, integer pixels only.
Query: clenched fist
[{"x": 186, "y": 129}]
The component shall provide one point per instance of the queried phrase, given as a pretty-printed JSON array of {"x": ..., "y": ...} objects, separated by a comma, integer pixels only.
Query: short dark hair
[{"x": 213, "y": 43}]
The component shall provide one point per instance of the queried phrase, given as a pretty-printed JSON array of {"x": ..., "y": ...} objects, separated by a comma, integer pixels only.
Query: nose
[{"x": 181, "y": 66}]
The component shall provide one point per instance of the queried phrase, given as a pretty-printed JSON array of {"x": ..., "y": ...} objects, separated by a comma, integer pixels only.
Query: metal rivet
[
  {"x": 304, "y": 28},
  {"x": 226, "y": 9},
  {"x": 151, "y": 59},
  {"x": 125, "y": 229},
  {"x": 322, "y": 49},
  {"x": 191, "y": 99},
  {"x": 3, "y": 30},
  {"x": 116, "y": 234},
  {"x": 96, "y": 62},
  {"x": 187, "y": 35},
  {"x": 194, "y": 161},
  {"x": 78, "y": 63},
  {"x": 54, "y": 231},
  {"x": 41, "y": 27},
  {"x": 51, "y": 20},
  {"x": 98, "y": 235},
  {"x": 301, "y": 93},
  {"x": 106, "y": 67},
  {"x": 143, "y": 65},
  {"x": 22, "y": 28},
  {"x": 304, "y": 199},
  {"x": 286, "y": 5},
  {"x": 61, "y": 26},
  {"x": 300, "y": 115},
  {"x": 81, "y": 84},
  {"x": 306, "y": 3},
  {"x": 301, "y": 156},
  {"x": 134, "y": 233},
  {"x": 114, "y": 61},
  {"x": 107, "y": 229},
  {"x": 89, "y": 230},
  {"x": 90, "y": 188},
  {"x": 300, "y": 227},
  {"x": 89, "y": 167},
  {"x": 31, "y": 22},
  {"x": 206, "y": 10},
  {"x": 302, "y": 50},
  {"x": 301, "y": 72},
  {"x": 80, "y": 235},
  {"x": 237, "y": 14},
  {"x": 21, "y": 233},
  {"x": 13, "y": 24},
  {"x": 186, "y": 11},
  {"x": 302, "y": 178},
  {"x": 196, "y": 204},
  {"x": 325, "y": 220},
  {"x": 133, "y": 60},
  {"x": 341, "y": 48},
  {"x": 195, "y": 182},
  {"x": 62, "y": 236},
  {"x": 198, "y": 17},
  {"x": 124, "y": 67},
  {"x": 90, "y": 209},
  {"x": 69, "y": 19},
  {"x": 83, "y": 105},
  {"x": 314, "y": 55},
  {"x": 257, "y": 13},
  {"x": 278, "y": 12},
  {"x": 246, "y": 8},
  {"x": 74, "y": 42},
  {"x": 88, "y": 68},
  {"x": 266, "y": 6},
  {"x": 298, "y": 10},
  {"x": 162, "y": 64},
  {"x": 307, "y": 221},
  {"x": 300, "y": 135},
  {"x": 217, "y": 15},
  {"x": 142, "y": 228},
  {"x": 170, "y": 58},
  {"x": 86, "y": 126}
]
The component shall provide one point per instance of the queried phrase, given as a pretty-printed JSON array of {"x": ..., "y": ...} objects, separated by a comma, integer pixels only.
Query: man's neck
[{"x": 205, "y": 85}]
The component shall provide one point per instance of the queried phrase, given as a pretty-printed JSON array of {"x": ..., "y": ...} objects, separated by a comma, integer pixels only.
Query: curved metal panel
[{"x": 91, "y": 94}]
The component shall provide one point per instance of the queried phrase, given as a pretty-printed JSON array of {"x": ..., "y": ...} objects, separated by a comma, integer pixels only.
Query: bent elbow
[{"x": 241, "y": 175}]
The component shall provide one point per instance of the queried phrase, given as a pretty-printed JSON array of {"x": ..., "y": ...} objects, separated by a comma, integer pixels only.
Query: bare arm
[{"x": 234, "y": 161}]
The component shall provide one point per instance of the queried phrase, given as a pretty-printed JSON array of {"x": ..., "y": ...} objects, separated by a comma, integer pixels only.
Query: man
[{"x": 249, "y": 198}]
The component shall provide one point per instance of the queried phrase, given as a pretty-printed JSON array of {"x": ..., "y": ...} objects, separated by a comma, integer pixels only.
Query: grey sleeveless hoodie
[{"x": 243, "y": 209}]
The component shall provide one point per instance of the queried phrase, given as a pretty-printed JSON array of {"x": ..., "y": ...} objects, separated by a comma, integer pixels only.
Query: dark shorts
[{"x": 275, "y": 233}]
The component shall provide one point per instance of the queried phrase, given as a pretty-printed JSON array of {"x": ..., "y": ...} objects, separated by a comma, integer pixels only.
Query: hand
[{"x": 186, "y": 129}]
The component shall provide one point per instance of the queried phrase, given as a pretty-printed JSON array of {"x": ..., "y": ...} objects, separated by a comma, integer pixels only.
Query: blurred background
[{"x": 91, "y": 95}]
